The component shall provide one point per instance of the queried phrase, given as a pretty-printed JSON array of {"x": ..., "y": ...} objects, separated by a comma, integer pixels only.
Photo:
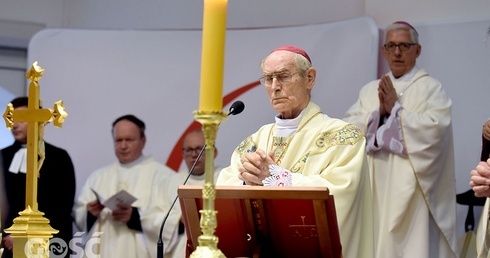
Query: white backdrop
[{"x": 101, "y": 75}]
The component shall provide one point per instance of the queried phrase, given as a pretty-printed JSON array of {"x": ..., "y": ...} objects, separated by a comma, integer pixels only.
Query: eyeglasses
[
  {"x": 404, "y": 46},
  {"x": 281, "y": 77},
  {"x": 190, "y": 151}
]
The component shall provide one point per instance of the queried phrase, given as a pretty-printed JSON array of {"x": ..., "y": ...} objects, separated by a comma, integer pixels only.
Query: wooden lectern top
[{"x": 257, "y": 221}]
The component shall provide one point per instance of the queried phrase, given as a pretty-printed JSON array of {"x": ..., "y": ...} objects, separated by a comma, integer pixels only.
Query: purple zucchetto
[{"x": 293, "y": 49}]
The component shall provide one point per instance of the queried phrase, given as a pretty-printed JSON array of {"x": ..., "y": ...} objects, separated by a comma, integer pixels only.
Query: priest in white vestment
[
  {"x": 129, "y": 230},
  {"x": 406, "y": 117},
  {"x": 192, "y": 144},
  {"x": 307, "y": 148}
]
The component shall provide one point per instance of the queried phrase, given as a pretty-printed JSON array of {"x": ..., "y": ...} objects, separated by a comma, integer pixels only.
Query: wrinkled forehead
[{"x": 279, "y": 61}]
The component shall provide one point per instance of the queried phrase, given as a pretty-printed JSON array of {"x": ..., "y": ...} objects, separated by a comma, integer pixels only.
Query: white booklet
[{"x": 120, "y": 197}]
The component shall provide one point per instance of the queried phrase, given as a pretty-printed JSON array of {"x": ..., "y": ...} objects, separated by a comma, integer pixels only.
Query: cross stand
[{"x": 31, "y": 231}]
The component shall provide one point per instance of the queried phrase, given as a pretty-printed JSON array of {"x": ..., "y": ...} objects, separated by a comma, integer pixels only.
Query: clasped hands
[
  {"x": 480, "y": 179},
  {"x": 387, "y": 96},
  {"x": 480, "y": 176},
  {"x": 255, "y": 167},
  {"x": 122, "y": 213}
]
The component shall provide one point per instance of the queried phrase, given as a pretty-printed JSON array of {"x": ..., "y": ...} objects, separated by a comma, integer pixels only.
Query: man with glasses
[
  {"x": 128, "y": 229},
  {"x": 192, "y": 145},
  {"x": 406, "y": 117},
  {"x": 305, "y": 147}
]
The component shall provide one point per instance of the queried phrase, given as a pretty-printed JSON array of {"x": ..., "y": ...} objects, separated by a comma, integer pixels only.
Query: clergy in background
[
  {"x": 192, "y": 144},
  {"x": 56, "y": 184},
  {"x": 406, "y": 117},
  {"x": 129, "y": 229}
]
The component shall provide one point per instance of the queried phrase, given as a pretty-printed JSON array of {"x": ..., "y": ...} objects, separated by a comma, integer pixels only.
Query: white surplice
[
  {"x": 414, "y": 182},
  {"x": 143, "y": 179}
]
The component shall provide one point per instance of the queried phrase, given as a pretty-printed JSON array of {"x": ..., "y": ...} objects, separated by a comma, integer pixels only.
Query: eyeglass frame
[
  {"x": 406, "y": 45},
  {"x": 189, "y": 151},
  {"x": 273, "y": 75}
]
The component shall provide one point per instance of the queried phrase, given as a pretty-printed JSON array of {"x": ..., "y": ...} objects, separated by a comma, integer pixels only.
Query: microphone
[
  {"x": 160, "y": 241},
  {"x": 236, "y": 108}
]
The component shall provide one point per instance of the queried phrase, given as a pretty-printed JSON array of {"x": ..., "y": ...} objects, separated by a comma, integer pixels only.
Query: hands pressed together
[
  {"x": 480, "y": 176},
  {"x": 387, "y": 96},
  {"x": 480, "y": 179},
  {"x": 123, "y": 213},
  {"x": 255, "y": 167}
]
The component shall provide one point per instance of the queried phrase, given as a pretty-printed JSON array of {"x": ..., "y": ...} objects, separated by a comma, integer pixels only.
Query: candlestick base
[
  {"x": 208, "y": 242},
  {"x": 31, "y": 233},
  {"x": 206, "y": 251}
]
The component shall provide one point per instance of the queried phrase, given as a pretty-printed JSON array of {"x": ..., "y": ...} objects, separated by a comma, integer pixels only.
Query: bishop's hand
[
  {"x": 387, "y": 95},
  {"x": 255, "y": 167},
  {"x": 480, "y": 179}
]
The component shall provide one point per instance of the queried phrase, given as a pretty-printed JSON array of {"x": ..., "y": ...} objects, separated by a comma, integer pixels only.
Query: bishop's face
[
  {"x": 400, "y": 62},
  {"x": 19, "y": 130},
  {"x": 287, "y": 87}
]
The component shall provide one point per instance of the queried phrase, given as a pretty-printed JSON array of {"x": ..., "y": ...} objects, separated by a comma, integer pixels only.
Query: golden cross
[{"x": 36, "y": 118}]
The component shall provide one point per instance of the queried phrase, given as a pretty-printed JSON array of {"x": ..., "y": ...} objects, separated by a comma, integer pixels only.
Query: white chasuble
[
  {"x": 483, "y": 232},
  {"x": 414, "y": 194},
  {"x": 323, "y": 152}
]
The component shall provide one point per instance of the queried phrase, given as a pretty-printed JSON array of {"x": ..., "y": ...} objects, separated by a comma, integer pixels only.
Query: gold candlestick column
[{"x": 208, "y": 242}]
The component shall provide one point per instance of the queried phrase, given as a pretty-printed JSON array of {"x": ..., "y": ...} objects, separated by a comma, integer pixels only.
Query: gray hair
[{"x": 414, "y": 36}]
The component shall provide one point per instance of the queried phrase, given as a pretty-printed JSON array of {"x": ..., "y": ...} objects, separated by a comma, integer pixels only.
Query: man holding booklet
[{"x": 127, "y": 223}]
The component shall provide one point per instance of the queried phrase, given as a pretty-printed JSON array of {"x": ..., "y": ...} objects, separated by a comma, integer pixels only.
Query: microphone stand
[{"x": 160, "y": 244}]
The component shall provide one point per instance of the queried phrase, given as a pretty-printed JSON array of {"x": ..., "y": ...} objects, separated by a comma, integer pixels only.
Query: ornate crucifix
[
  {"x": 36, "y": 118},
  {"x": 31, "y": 224}
]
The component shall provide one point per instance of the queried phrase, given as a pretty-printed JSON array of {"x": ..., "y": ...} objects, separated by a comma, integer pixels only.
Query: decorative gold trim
[
  {"x": 208, "y": 242},
  {"x": 31, "y": 231},
  {"x": 348, "y": 135}
]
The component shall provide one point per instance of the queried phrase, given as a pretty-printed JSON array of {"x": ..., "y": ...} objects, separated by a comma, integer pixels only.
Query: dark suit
[{"x": 56, "y": 190}]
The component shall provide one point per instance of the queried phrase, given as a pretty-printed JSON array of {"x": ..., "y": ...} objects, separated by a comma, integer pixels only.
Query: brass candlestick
[{"x": 208, "y": 242}]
